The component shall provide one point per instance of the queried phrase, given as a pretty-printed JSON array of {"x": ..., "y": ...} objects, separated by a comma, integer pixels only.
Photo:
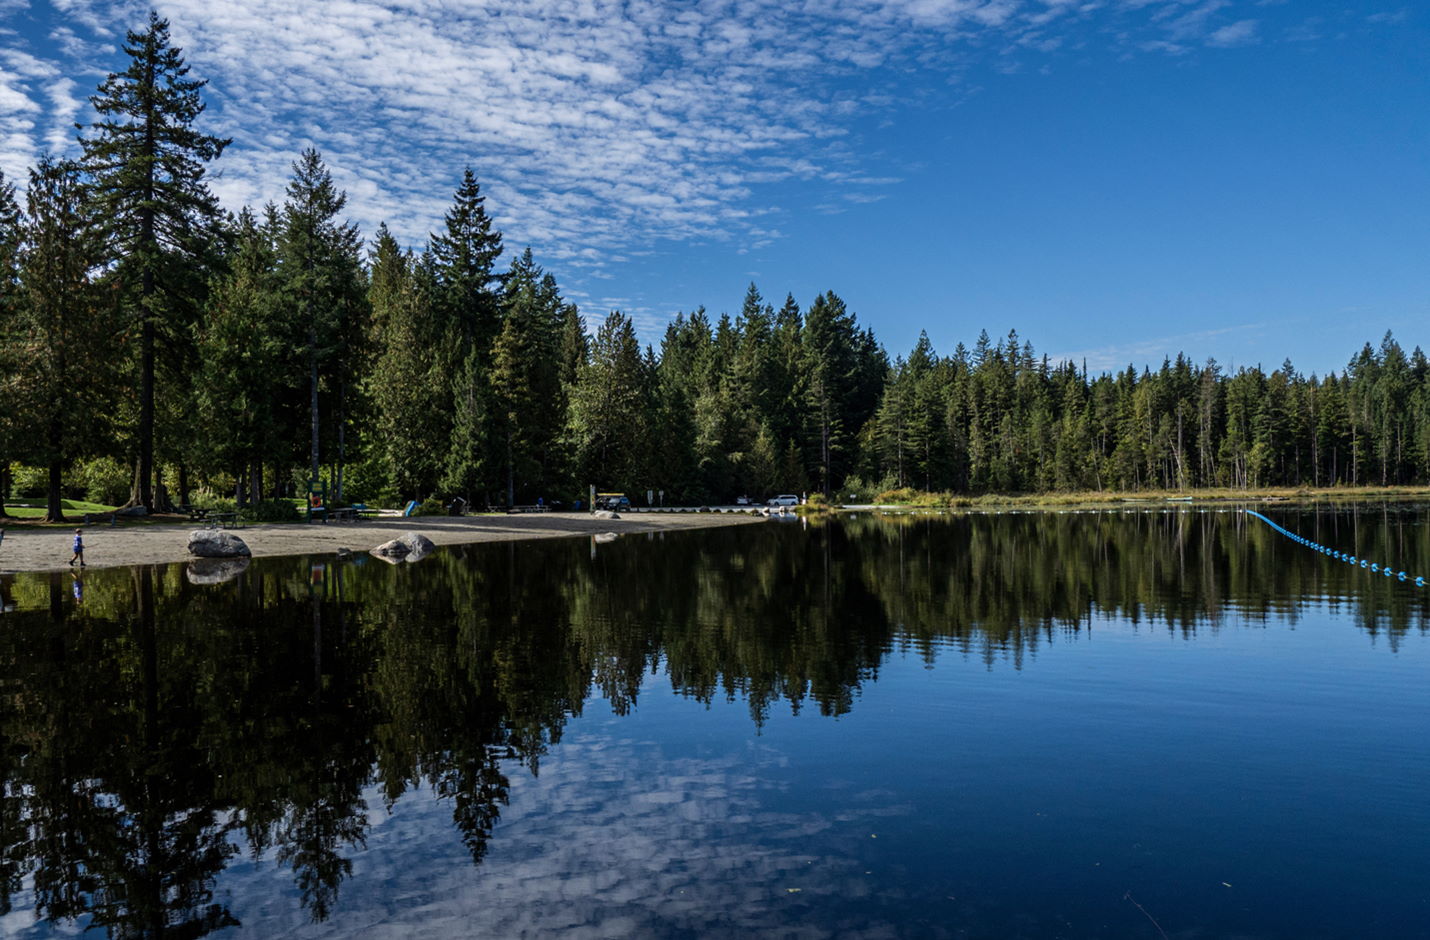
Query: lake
[{"x": 1139, "y": 723}]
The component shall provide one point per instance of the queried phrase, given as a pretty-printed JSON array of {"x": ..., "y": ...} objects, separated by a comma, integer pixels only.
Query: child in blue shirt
[{"x": 78, "y": 548}]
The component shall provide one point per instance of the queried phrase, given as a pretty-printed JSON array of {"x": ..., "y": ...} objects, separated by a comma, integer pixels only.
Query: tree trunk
[
  {"x": 146, "y": 401},
  {"x": 313, "y": 394},
  {"x": 4, "y": 486},
  {"x": 342, "y": 445},
  {"x": 54, "y": 512},
  {"x": 183, "y": 485},
  {"x": 147, "y": 244}
]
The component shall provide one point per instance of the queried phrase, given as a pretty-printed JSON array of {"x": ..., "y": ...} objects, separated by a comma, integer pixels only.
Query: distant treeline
[{"x": 141, "y": 327}]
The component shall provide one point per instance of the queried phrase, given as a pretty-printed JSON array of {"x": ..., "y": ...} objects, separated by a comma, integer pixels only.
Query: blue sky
[{"x": 1117, "y": 180}]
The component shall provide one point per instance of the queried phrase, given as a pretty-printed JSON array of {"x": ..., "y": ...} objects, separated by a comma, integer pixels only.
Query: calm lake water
[{"x": 1111, "y": 724}]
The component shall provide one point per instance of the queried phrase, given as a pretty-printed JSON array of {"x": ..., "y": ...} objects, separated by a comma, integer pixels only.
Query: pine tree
[
  {"x": 828, "y": 369},
  {"x": 410, "y": 394},
  {"x": 319, "y": 259},
  {"x": 466, "y": 301},
  {"x": 64, "y": 324},
  {"x": 464, "y": 258},
  {"x": 147, "y": 164},
  {"x": 246, "y": 388},
  {"x": 526, "y": 377},
  {"x": 608, "y": 410},
  {"x": 11, "y": 240}
]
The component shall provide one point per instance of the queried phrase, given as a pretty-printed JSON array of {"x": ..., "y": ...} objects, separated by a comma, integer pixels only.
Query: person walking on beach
[{"x": 78, "y": 548}]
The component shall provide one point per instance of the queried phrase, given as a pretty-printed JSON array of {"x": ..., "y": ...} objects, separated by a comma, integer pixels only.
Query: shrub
[
  {"x": 105, "y": 481},
  {"x": 858, "y": 490},
  {"x": 272, "y": 510},
  {"x": 431, "y": 506},
  {"x": 368, "y": 481},
  {"x": 30, "y": 482},
  {"x": 903, "y": 496}
]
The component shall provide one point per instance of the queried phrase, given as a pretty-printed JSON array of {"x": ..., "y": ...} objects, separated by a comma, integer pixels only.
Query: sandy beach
[{"x": 35, "y": 548}]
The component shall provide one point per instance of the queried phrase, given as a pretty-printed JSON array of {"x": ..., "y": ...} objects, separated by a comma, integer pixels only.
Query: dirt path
[{"x": 26, "y": 548}]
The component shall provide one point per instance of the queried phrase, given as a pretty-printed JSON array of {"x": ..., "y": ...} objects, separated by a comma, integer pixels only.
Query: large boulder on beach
[
  {"x": 605, "y": 514},
  {"x": 216, "y": 570},
  {"x": 412, "y": 546},
  {"x": 215, "y": 543}
]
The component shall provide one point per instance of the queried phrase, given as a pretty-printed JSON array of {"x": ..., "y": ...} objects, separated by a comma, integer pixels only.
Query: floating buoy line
[{"x": 1372, "y": 567}]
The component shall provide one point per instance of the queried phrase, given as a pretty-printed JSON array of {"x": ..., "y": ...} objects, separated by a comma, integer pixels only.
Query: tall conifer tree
[
  {"x": 11, "y": 239},
  {"x": 467, "y": 299},
  {"x": 321, "y": 270},
  {"x": 147, "y": 163},
  {"x": 65, "y": 380}
]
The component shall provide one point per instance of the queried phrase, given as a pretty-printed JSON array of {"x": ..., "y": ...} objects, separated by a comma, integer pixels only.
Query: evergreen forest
[{"x": 152, "y": 343}]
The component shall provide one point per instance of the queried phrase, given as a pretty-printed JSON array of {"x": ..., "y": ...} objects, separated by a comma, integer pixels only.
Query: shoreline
[{"x": 41, "y": 549}]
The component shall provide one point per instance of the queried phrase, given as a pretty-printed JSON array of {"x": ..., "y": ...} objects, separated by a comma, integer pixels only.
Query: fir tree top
[{"x": 145, "y": 156}]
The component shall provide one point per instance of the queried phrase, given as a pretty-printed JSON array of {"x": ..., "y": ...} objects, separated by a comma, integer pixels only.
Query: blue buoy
[{"x": 1374, "y": 567}]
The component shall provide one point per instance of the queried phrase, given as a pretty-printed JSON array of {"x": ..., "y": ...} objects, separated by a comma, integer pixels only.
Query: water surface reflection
[{"x": 160, "y": 727}]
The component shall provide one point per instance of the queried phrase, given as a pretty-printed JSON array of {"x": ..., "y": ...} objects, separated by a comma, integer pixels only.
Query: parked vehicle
[
  {"x": 616, "y": 502},
  {"x": 742, "y": 500},
  {"x": 783, "y": 500}
]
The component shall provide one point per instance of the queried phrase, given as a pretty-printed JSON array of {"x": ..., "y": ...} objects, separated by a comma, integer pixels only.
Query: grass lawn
[{"x": 35, "y": 508}]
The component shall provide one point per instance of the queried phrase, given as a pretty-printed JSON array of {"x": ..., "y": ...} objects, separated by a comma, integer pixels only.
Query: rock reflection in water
[{"x": 215, "y": 570}]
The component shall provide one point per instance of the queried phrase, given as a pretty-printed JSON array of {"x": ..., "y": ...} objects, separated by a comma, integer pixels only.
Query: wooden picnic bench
[{"x": 225, "y": 520}]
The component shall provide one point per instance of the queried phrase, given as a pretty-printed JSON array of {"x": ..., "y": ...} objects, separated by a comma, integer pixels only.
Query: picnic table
[
  {"x": 345, "y": 514},
  {"x": 226, "y": 520}
]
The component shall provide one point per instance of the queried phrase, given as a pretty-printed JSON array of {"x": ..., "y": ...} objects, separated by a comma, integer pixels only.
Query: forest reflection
[{"x": 154, "y": 728}]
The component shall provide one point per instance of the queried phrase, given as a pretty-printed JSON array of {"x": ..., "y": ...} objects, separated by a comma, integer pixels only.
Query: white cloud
[
  {"x": 595, "y": 126},
  {"x": 589, "y": 849},
  {"x": 1239, "y": 33},
  {"x": 1152, "y": 350}
]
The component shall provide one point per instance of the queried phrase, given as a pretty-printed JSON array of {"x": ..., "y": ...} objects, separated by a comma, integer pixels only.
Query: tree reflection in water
[{"x": 152, "y": 733}]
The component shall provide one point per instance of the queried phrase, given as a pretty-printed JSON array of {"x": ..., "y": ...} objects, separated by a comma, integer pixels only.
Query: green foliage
[
  {"x": 273, "y": 510},
  {"x": 146, "y": 165},
  {"x": 239, "y": 349},
  {"x": 368, "y": 483},
  {"x": 104, "y": 480},
  {"x": 322, "y": 285},
  {"x": 29, "y": 482},
  {"x": 431, "y": 506},
  {"x": 609, "y": 407}
]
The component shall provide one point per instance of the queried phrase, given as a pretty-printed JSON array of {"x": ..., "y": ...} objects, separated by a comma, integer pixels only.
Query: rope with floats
[{"x": 1351, "y": 560}]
